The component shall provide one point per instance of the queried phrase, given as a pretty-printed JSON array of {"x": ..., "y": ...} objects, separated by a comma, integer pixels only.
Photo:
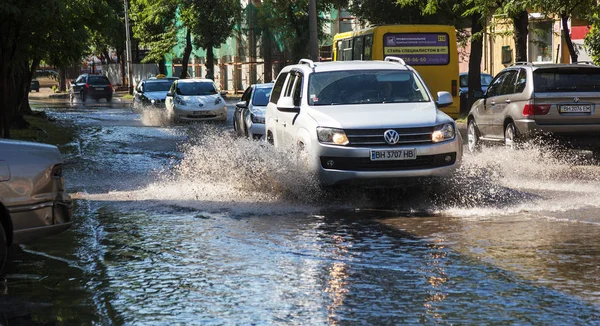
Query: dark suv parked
[{"x": 92, "y": 86}]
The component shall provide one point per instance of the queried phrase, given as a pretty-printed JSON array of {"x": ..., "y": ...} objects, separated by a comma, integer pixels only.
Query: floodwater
[{"x": 188, "y": 225}]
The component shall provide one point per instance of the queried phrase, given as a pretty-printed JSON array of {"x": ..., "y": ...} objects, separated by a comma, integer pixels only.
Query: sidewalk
[{"x": 46, "y": 93}]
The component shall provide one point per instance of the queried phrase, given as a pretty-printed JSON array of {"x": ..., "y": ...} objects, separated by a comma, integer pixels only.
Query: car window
[
  {"x": 261, "y": 96},
  {"x": 278, "y": 87},
  {"x": 566, "y": 79},
  {"x": 98, "y": 80},
  {"x": 157, "y": 86},
  {"x": 80, "y": 79},
  {"x": 289, "y": 86},
  {"x": 521, "y": 81},
  {"x": 464, "y": 81},
  {"x": 495, "y": 85},
  {"x": 365, "y": 86},
  {"x": 196, "y": 88},
  {"x": 486, "y": 79},
  {"x": 140, "y": 87},
  {"x": 297, "y": 91},
  {"x": 247, "y": 94},
  {"x": 508, "y": 84}
]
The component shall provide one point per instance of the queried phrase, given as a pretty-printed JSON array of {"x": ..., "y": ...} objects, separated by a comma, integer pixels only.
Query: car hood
[
  {"x": 156, "y": 95},
  {"x": 47, "y": 151},
  {"x": 385, "y": 115},
  {"x": 201, "y": 99}
]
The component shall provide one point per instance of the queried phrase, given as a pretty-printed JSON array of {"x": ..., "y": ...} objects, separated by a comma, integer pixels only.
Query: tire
[
  {"x": 270, "y": 140},
  {"x": 511, "y": 137},
  {"x": 3, "y": 248},
  {"x": 83, "y": 97},
  {"x": 473, "y": 142},
  {"x": 109, "y": 99},
  {"x": 235, "y": 127}
]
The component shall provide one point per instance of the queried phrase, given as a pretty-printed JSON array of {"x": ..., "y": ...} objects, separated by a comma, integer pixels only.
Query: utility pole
[
  {"x": 312, "y": 27},
  {"x": 128, "y": 49}
]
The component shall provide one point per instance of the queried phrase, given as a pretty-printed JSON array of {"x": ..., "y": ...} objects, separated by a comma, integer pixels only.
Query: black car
[
  {"x": 151, "y": 92},
  {"x": 92, "y": 86},
  {"x": 35, "y": 85}
]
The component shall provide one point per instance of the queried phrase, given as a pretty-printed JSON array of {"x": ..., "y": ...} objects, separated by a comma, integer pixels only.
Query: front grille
[
  {"x": 365, "y": 163},
  {"x": 370, "y": 137}
]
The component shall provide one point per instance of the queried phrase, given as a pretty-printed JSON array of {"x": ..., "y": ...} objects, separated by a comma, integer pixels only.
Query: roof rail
[
  {"x": 522, "y": 63},
  {"x": 308, "y": 62},
  {"x": 395, "y": 59},
  {"x": 585, "y": 63}
]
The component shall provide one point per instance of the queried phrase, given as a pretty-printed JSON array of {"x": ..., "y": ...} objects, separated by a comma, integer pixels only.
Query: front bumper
[
  {"x": 353, "y": 164},
  {"x": 41, "y": 220},
  {"x": 200, "y": 114}
]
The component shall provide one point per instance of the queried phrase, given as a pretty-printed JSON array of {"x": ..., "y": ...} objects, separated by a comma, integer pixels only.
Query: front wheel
[
  {"x": 510, "y": 135},
  {"x": 83, "y": 97},
  {"x": 3, "y": 247},
  {"x": 473, "y": 142}
]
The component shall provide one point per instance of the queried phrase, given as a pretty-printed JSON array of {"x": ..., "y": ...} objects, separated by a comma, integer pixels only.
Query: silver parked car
[
  {"x": 34, "y": 202},
  {"x": 373, "y": 123},
  {"x": 528, "y": 99},
  {"x": 249, "y": 115}
]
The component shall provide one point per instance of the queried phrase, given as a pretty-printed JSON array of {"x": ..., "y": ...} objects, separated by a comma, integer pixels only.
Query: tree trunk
[
  {"x": 267, "y": 56},
  {"x": 186, "y": 55},
  {"x": 521, "y": 26},
  {"x": 25, "y": 107},
  {"x": 63, "y": 76},
  {"x": 210, "y": 62},
  {"x": 122, "y": 62},
  {"x": 567, "y": 35},
  {"x": 475, "y": 59},
  {"x": 162, "y": 69}
]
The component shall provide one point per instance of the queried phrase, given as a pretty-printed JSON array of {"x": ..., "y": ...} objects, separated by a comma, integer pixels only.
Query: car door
[
  {"x": 138, "y": 93},
  {"x": 272, "y": 114},
  {"x": 287, "y": 116},
  {"x": 500, "y": 109},
  {"x": 486, "y": 113},
  {"x": 79, "y": 84},
  {"x": 240, "y": 112}
]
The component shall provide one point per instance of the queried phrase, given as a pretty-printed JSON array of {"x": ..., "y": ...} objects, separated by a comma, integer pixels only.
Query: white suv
[{"x": 363, "y": 122}]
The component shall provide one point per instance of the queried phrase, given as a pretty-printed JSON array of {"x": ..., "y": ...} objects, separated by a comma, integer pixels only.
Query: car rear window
[
  {"x": 157, "y": 86},
  {"x": 200, "y": 88},
  {"x": 98, "y": 80},
  {"x": 566, "y": 79}
]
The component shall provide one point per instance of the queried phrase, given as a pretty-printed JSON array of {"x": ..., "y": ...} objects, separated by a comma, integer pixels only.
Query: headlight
[
  {"x": 218, "y": 100},
  {"x": 152, "y": 101},
  {"x": 179, "y": 101},
  {"x": 257, "y": 117},
  {"x": 332, "y": 136},
  {"x": 443, "y": 132}
]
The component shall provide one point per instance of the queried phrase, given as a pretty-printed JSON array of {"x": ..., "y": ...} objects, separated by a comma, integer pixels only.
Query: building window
[{"x": 540, "y": 41}]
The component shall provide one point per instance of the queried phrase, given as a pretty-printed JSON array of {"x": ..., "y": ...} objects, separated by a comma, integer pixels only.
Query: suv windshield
[
  {"x": 157, "y": 86},
  {"x": 566, "y": 79},
  {"x": 199, "y": 88},
  {"x": 365, "y": 86},
  {"x": 261, "y": 96},
  {"x": 98, "y": 80}
]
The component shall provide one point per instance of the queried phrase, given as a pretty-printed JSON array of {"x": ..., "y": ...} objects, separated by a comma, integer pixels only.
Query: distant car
[
  {"x": 151, "y": 93},
  {"x": 195, "y": 100},
  {"x": 35, "y": 85},
  {"x": 486, "y": 79},
  {"x": 33, "y": 200},
  {"x": 369, "y": 123},
  {"x": 528, "y": 99},
  {"x": 249, "y": 115},
  {"x": 88, "y": 86}
]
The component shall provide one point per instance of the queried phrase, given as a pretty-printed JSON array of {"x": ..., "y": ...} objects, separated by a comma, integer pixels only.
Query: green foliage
[
  {"x": 592, "y": 40},
  {"x": 153, "y": 24}
]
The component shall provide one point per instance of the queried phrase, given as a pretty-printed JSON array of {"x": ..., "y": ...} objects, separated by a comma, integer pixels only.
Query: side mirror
[
  {"x": 286, "y": 104},
  {"x": 169, "y": 94},
  {"x": 241, "y": 105},
  {"x": 444, "y": 99},
  {"x": 223, "y": 93},
  {"x": 72, "y": 81}
]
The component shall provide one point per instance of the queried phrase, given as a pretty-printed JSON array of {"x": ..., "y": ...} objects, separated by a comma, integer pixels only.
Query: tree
[
  {"x": 566, "y": 10},
  {"x": 154, "y": 25},
  {"x": 211, "y": 22},
  {"x": 592, "y": 39}
]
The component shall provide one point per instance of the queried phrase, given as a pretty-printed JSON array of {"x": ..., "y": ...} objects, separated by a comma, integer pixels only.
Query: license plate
[
  {"x": 203, "y": 113},
  {"x": 575, "y": 108},
  {"x": 99, "y": 88},
  {"x": 394, "y": 154}
]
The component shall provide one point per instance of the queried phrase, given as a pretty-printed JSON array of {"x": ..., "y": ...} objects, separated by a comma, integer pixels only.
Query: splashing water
[{"x": 156, "y": 117}]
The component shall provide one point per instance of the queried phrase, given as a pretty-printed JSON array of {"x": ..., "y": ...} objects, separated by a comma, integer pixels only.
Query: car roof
[
  {"x": 265, "y": 85},
  {"x": 348, "y": 65},
  {"x": 535, "y": 66},
  {"x": 466, "y": 73},
  {"x": 195, "y": 80},
  {"x": 151, "y": 80}
]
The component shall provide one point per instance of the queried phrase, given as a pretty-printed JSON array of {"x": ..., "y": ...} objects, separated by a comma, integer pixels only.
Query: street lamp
[{"x": 128, "y": 49}]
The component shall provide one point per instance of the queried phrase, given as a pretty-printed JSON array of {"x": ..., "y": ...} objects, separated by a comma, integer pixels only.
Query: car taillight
[
  {"x": 110, "y": 85},
  {"x": 87, "y": 85},
  {"x": 536, "y": 109}
]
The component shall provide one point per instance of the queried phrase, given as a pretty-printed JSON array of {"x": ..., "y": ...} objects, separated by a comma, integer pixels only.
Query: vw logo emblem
[
  {"x": 576, "y": 99},
  {"x": 391, "y": 136}
]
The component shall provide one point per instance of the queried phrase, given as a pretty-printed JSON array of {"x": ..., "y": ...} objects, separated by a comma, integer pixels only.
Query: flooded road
[{"x": 188, "y": 225}]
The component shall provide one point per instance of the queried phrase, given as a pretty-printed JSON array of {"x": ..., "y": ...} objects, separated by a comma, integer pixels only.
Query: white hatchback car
[
  {"x": 363, "y": 122},
  {"x": 195, "y": 100}
]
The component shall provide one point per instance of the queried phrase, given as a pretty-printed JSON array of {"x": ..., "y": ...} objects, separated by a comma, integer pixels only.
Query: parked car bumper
[
  {"x": 256, "y": 130},
  {"x": 33, "y": 222},
  {"x": 353, "y": 165},
  {"x": 579, "y": 136}
]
